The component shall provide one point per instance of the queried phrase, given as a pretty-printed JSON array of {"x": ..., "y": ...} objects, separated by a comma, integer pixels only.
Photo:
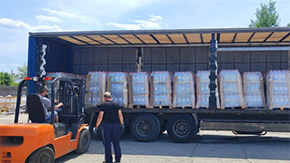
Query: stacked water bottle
[
  {"x": 161, "y": 94},
  {"x": 58, "y": 75},
  {"x": 117, "y": 85},
  {"x": 253, "y": 89},
  {"x": 231, "y": 91},
  {"x": 183, "y": 90},
  {"x": 278, "y": 89},
  {"x": 139, "y": 93},
  {"x": 96, "y": 85},
  {"x": 203, "y": 92}
]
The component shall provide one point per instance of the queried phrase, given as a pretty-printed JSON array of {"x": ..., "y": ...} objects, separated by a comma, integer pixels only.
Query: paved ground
[{"x": 210, "y": 146}]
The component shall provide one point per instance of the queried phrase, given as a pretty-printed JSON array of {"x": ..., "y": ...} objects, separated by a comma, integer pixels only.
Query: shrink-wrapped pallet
[
  {"x": 278, "y": 89},
  {"x": 253, "y": 85},
  {"x": 160, "y": 89},
  {"x": 59, "y": 75},
  {"x": 231, "y": 90},
  {"x": 95, "y": 87},
  {"x": 183, "y": 90},
  {"x": 203, "y": 91},
  {"x": 138, "y": 89},
  {"x": 117, "y": 85}
]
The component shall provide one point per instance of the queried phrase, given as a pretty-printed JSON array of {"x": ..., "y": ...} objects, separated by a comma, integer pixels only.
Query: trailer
[{"x": 245, "y": 49}]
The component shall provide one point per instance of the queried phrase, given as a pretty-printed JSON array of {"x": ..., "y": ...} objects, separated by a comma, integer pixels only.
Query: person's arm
[
  {"x": 100, "y": 118},
  {"x": 121, "y": 117},
  {"x": 58, "y": 105}
]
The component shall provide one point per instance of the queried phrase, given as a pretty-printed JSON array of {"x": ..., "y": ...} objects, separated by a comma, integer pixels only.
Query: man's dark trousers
[{"x": 111, "y": 133}]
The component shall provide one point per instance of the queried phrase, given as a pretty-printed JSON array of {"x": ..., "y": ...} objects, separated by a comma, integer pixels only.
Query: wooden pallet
[
  {"x": 185, "y": 107},
  {"x": 131, "y": 106},
  {"x": 161, "y": 107}
]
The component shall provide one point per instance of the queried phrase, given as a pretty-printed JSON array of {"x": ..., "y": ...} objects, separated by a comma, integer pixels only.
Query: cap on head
[
  {"x": 42, "y": 89},
  {"x": 107, "y": 95}
]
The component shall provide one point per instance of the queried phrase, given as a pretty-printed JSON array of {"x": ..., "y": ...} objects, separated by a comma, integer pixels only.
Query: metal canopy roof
[{"x": 180, "y": 37}]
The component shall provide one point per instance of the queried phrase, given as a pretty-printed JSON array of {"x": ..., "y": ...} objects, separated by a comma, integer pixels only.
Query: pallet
[
  {"x": 161, "y": 107},
  {"x": 281, "y": 108},
  {"x": 185, "y": 107},
  {"x": 233, "y": 108},
  {"x": 131, "y": 106}
]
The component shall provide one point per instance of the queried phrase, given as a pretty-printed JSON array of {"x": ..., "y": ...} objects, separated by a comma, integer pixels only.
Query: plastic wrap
[
  {"x": 138, "y": 89},
  {"x": 203, "y": 91},
  {"x": 96, "y": 85},
  {"x": 117, "y": 85},
  {"x": 160, "y": 90},
  {"x": 231, "y": 91},
  {"x": 278, "y": 89},
  {"x": 183, "y": 90},
  {"x": 253, "y": 85},
  {"x": 60, "y": 75}
]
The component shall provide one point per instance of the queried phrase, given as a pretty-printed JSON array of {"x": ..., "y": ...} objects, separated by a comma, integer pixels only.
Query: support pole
[
  {"x": 139, "y": 60},
  {"x": 213, "y": 72}
]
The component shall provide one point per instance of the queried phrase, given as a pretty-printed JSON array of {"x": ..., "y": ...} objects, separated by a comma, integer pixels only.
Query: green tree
[
  {"x": 288, "y": 25},
  {"x": 266, "y": 16},
  {"x": 5, "y": 79},
  {"x": 22, "y": 72}
]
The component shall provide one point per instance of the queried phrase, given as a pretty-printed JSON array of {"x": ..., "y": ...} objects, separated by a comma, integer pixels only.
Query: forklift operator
[{"x": 43, "y": 92}]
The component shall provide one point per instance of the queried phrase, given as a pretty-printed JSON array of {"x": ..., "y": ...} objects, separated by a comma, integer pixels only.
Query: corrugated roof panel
[
  {"x": 226, "y": 37},
  {"x": 147, "y": 39},
  {"x": 243, "y": 37},
  {"x": 132, "y": 39},
  {"x": 193, "y": 38},
  {"x": 206, "y": 37},
  {"x": 86, "y": 39},
  {"x": 260, "y": 37},
  {"x": 100, "y": 39},
  {"x": 69, "y": 39},
  {"x": 162, "y": 38},
  {"x": 277, "y": 36},
  {"x": 287, "y": 39},
  {"x": 116, "y": 39},
  {"x": 177, "y": 38}
]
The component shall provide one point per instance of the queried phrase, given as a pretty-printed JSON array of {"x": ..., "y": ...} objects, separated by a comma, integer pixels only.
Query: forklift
[{"x": 41, "y": 141}]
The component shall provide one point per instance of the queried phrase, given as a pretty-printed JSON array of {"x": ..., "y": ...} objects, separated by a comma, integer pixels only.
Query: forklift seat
[
  {"x": 36, "y": 114},
  {"x": 35, "y": 109}
]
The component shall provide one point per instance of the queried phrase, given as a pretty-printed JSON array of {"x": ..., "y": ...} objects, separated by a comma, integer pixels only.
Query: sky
[{"x": 19, "y": 17}]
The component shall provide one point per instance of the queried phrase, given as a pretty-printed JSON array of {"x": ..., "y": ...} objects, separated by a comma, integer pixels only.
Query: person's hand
[
  {"x": 96, "y": 130},
  {"x": 60, "y": 105},
  {"x": 122, "y": 127}
]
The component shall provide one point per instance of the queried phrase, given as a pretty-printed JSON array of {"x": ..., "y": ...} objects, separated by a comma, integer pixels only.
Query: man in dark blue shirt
[{"x": 111, "y": 116}]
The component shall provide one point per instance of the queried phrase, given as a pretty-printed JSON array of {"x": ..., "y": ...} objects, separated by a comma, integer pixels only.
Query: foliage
[
  {"x": 22, "y": 72},
  {"x": 266, "y": 16},
  {"x": 6, "y": 79}
]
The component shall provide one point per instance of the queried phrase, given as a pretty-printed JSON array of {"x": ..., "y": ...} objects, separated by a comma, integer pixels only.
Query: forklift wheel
[
  {"x": 84, "y": 141},
  {"x": 44, "y": 154}
]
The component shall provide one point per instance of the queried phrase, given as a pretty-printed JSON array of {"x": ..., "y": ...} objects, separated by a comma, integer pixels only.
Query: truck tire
[
  {"x": 84, "y": 141},
  {"x": 145, "y": 127},
  {"x": 181, "y": 128},
  {"x": 42, "y": 155}
]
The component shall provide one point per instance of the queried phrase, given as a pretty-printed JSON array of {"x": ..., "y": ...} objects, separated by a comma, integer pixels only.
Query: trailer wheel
[
  {"x": 181, "y": 128},
  {"x": 42, "y": 155},
  {"x": 145, "y": 127},
  {"x": 84, "y": 141}
]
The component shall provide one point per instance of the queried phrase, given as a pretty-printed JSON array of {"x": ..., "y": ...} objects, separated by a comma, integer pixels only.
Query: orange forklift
[{"x": 39, "y": 141}]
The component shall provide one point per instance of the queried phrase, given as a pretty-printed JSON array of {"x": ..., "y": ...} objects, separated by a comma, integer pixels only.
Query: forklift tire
[
  {"x": 42, "y": 155},
  {"x": 84, "y": 141}
]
